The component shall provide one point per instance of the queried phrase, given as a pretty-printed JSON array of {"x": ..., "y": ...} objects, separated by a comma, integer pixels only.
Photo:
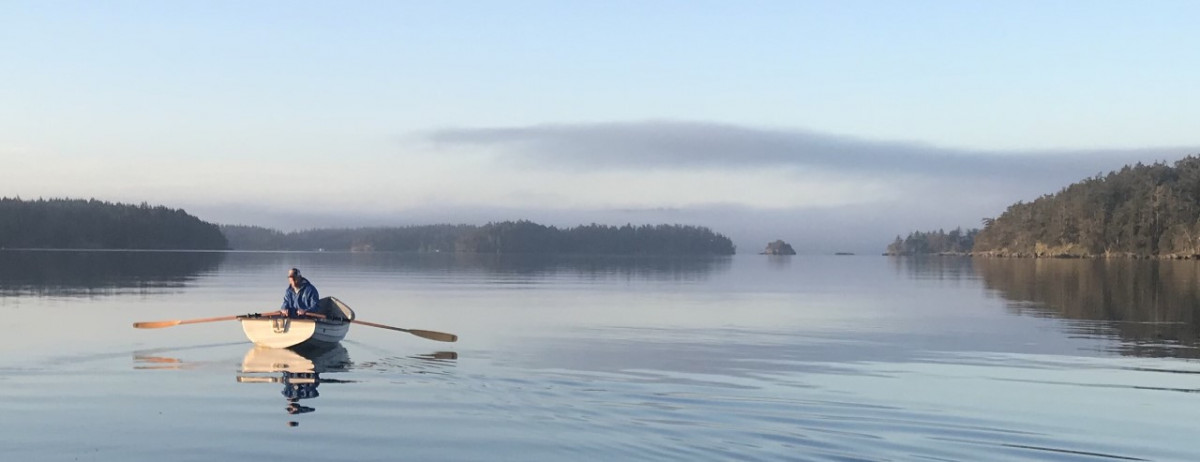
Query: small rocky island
[{"x": 779, "y": 248}]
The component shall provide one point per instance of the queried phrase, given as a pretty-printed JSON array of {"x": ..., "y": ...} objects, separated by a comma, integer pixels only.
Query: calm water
[{"x": 743, "y": 358}]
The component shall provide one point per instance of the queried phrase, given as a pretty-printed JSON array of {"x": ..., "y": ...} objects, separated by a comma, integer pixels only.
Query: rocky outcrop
[{"x": 779, "y": 248}]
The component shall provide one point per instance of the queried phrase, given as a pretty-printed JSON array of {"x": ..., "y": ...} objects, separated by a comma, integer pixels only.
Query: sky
[{"x": 833, "y": 125}]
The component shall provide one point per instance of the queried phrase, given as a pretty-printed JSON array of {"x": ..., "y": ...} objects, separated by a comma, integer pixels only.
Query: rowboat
[
  {"x": 284, "y": 332},
  {"x": 325, "y": 327}
]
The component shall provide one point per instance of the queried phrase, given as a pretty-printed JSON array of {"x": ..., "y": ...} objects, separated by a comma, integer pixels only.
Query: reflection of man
[
  {"x": 300, "y": 297},
  {"x": 294, "y": 392},
  {"x": 294, "y": 407},
  {"x": 304, "y": 390}
]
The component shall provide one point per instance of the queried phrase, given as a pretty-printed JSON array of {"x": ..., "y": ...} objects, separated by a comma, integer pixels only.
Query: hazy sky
[{"x": 834, "y": 125}]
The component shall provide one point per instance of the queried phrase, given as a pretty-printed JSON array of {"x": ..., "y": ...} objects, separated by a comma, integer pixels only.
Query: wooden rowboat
[
  {"x": 284, "y": 332},
  {"x": 327, "y": 326}
]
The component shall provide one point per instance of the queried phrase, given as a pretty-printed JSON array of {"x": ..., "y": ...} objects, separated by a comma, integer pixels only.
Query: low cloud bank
[
  {"x": 929, "y": 187},
  {"x": 700, "y": 145}
]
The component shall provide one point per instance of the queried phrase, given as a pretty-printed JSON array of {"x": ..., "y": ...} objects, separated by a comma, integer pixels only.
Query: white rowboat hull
[
  {"x": 286, "y": 332},
  {"x": 283, "y": 332}
]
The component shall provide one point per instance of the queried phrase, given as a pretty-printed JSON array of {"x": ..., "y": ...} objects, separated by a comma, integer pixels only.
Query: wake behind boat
[{"x": 283, "y": 332}]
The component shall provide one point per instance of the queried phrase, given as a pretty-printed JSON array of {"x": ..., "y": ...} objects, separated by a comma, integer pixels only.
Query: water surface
[{"x": 742, "y": 358}]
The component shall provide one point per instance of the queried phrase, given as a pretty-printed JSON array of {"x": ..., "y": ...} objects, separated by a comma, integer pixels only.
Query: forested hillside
[
  {"x": 93, "y": 224},
  {"x": 506, "y": 237},
  {"x": 1141, "y": 211}
]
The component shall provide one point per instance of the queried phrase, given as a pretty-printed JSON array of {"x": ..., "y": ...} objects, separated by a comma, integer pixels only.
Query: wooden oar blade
[
  {"x": 155, "y": 324},
  {"x": 431, "y": 335}
]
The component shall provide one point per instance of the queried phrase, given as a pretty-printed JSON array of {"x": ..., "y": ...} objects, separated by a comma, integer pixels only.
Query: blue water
[{"x": 742, "y": 358}]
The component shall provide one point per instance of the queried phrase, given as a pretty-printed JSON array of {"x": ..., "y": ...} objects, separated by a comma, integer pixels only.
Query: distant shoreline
[{"x": 994, "y": 254}]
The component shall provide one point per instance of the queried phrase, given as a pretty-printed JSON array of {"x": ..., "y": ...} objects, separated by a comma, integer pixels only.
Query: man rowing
[{"x": 300, "y": 297}]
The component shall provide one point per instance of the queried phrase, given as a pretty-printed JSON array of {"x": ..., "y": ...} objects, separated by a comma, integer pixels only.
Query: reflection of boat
[
  {"x": 298, "y": 369},
  {"x": 438, "y": 356},
  {"x": 283, "y": 332},
  {"x": 163, "y": 358},
  {"x": 316, "y": 359}
]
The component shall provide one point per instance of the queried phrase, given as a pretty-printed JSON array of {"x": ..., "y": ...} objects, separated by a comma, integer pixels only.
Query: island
[
  {"x": 508, "y": 237},
  {"x": 778, "y": 247},
  {"x": 94, "y": 224}
]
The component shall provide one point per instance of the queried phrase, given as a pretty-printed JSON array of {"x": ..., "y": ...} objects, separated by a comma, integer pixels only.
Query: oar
[
  {"x": 176, "y": 322},
  {"x": 429, "y": 334}
]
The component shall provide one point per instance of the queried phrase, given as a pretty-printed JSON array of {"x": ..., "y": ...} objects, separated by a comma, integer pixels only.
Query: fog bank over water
[
  {"x": 673, "y": 145},
  {"x": 821, "y": 192}
]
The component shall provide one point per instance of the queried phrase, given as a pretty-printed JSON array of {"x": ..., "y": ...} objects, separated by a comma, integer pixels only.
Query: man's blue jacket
[{"x": 305, "y": 299}]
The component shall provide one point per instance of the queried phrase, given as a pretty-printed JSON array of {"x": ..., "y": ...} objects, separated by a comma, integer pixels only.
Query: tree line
[
  {"x": 956, "y": 241},
  {"x": 508, "y": 237},
  {"x": 93, "y": 224}
]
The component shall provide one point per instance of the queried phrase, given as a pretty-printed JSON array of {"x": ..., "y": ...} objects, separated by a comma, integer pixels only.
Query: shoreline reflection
[
  {"x": 100, "y": 272},
  {"x": 1152, "y": 307}
]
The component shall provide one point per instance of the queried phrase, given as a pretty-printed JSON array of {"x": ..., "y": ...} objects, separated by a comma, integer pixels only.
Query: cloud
[
  {"x": 674, "y": 145},
  {"x": 820, "y": 192}
]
